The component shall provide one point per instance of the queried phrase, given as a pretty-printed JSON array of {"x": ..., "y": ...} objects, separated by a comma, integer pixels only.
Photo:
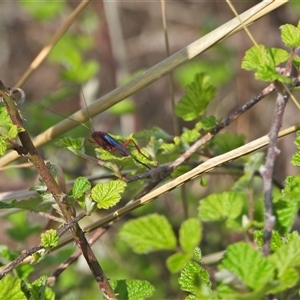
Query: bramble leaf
[
  {"x": 43, "y": 10},
  {"x": 224, "y": 142},
  {"x": 10, "y": 288},
  {"x": 215, "y": 207},
  {"x": 73, "y": 145},
  {"x": 132, "y": 289},
  {"x": 264, "y": 62},
  {"x": 290, "y": 35},
  {"x": 248, "y": 264},
  {"x": 81, "y": 185},
  {"x": 287, "y": 256},
  {"x": 108, "y": 194},
  {"x": 49, "y": 239},
  {"x": 190, "y": 234},
  {"x": 207, "y": 123},
  {"x": 199, "y": 93},
  {"x": 177, "y": 261},
  {"x": 148, "y": 234},
  {"x": 195, "y": 279}
]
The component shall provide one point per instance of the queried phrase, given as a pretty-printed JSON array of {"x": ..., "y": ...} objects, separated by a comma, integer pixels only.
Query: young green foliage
[
  {"x": 73, "y": 145},
  {"x": 10, "y": 288},
  {"x": 195, "y": 279},
  {"x": 296, "y": 157},
  {"x": 132, "y": 289},
  {"x": 32, "y": 204},
  {"x": 108, "y": 194},
  {"x": 264, "y": 62},
  {"x": 81, "y": 185},
  {"x": 224, "y": 142},
  {"x": 37, "y": 290},
  {"x": 8, "y": 131},
  {"x": 49, "y": 239},
  {"x": 199, "y": 93},
  {"x": 68, "y": 52},
  {"x": 190, "y": 235},
  {"x": 290, "y": 35},
  {"x": 148, "y": 234},
  {"x": 221, "y": 207},
  {"x": 43, "y": 10}
]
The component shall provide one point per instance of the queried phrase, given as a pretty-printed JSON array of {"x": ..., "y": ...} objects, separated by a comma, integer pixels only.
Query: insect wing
[{"x": 117, "y": 145}]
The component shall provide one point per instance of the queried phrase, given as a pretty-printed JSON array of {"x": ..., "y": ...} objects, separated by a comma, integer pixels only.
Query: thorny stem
[
  {"x": 33, "y": 155},
  {"x": 267, "y": 170}
]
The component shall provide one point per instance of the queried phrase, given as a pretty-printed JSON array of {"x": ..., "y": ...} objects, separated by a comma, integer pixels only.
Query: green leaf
[
  {"x": 297, "y": 140},
  {"x": 248, "y": 264},
  {"x": 10, "y": 288},
  {"x": 224, "y": 142},
  {"x": 148, "y": 234},
  {"x": 156, "y": 132},
  {"x": 264, "y": 61},
  {"x": 126, "y": 106},
  {"x": 254, "y": 58},
  {"x": 260, "y": 57},
  {"x": 49, "y": 239},
  {"x": 198, "y": 95},
  {"x": 6, "y": 205},
  {"x": 207, "y": 123},
  {"x": 33, "y": 204},
  {"x": 189, "y": 136},
  {"x": 24, "y": 271},
  {"x": 13, "y": 132},
  {"x": 108, "y": 194},
  {"x": 81, "y": 71},
  {"x": 87, "y": 204},
  {"x": 276, "y": 241},
  {"x": 290, "y": 35},
  {"x": 132, "y": 289},
  {"x": 291, "y": 191},
  {"x": 269, "y": 74},
  {"x": 296, "y": 159},
  {"x": 39, "y": 290},
  {"x": 215, "y": 207},
  {"x": 43, "y": 10},
  {"x": 3, "y": 147},
  {"x": 177, "y": 261},
  {"x": 190, "y": 234},
  {"x": 287, "y": 256},
  {"x": 285, "y": 213},
  {"x": 81, "y": 185},
  {"x": 286, "y": 281},
  {"x": 73, "y": 145},
  {"x": 195, "y": 279}
]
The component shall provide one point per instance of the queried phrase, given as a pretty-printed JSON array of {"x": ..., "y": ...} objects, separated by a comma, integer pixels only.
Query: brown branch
[
  {"x": 58, "y": 195},
  {"x": 283, "y": 94},
  {"x": 267, "y": 170}
]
